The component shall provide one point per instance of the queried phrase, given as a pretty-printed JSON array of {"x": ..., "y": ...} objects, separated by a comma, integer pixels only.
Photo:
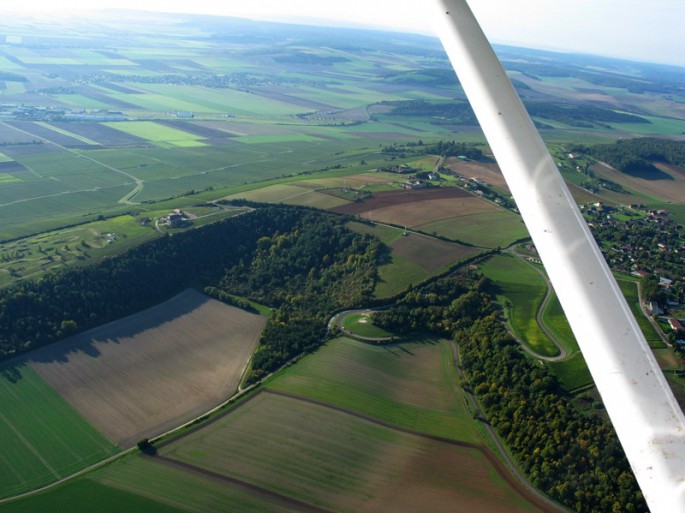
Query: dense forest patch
[
  {"x": 461, "y": 113},
  {"x": 637, "y": 156}
]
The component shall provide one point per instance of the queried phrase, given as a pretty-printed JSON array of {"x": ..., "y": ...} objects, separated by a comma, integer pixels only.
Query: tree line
[{"x": 573, "y": 457}]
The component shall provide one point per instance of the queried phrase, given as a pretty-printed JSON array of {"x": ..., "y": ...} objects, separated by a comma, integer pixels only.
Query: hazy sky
[{"x": 652, "y": 30}]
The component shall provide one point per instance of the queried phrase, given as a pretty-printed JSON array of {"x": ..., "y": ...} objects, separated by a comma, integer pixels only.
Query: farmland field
[
  {"x": 412, "y": 257},
  {"x": 410, "y": 385},
  {"x": 95, "y": 497},
  {"x": 447, "y": 212},
  {"x": 492, "y": 228},
  {"x": 43, "y": 437},
  {"x": 338, "y": 461},
  {"x": 671, "y": 190},
  {"x": 149, "y": 372},
  {"x": 157, "y": 133},
  {"x": 415, "y": 207}
]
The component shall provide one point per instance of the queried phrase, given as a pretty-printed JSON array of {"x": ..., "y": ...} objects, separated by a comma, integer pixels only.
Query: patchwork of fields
[
  {"x": 374, "y": 447},
  {"x": 449, "y": 212},
  {"x": 101, "y": 134}
]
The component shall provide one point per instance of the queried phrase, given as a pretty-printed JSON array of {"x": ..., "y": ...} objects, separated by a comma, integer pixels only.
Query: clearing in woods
[{"x": 149, "y": 372}]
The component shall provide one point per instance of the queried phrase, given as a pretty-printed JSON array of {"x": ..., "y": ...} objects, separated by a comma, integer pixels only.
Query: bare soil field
[
  {"x": 429, "y": 253},
  {"x": 489, "y": 173},
  {"x": 197, "y": 128},
  {"x": 146, "y": 373},
  {"x": 415, "y": 208},
  {"x": 665, "y": 189}
]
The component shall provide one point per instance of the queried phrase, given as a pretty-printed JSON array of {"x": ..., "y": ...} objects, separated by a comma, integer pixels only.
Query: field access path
[{"x": 126, "y": 200}]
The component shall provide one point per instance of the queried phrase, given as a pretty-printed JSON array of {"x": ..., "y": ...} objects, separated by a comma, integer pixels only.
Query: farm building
[{"x": 675, "y": 325}]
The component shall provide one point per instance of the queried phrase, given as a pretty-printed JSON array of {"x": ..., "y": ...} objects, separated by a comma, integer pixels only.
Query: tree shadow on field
[
  {"x": 122, "y": 331},
  {"x": 423, "y": 339},
  {"x": 12, "y": 373},
  {"x": 647, "y": 172}
]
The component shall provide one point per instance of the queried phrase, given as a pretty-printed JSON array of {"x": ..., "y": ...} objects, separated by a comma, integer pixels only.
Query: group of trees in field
[
  {"x": 572, "y": 456},
  {"x": 299, "y": 260},
  {"x": 637, "y": 156}
]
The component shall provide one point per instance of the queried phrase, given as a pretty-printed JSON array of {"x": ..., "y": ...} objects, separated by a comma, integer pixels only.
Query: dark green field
[{"x": 44, "y": 438}]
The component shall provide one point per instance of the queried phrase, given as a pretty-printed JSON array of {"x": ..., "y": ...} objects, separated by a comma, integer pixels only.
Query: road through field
[{"x": 125, "y": 200}]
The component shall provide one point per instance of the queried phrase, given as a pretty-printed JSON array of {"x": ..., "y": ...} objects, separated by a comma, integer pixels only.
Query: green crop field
[
  {"x": 43, "y": 438},
  {"x": 486, "y": 229},
  {"x": 572, "y": 373},
  {"x": 87, "y": 495},
  {"x": 396, "y": 274},
  {"x": 555, "y": 320},
  {"x": 523, "y": 291},
  {"x": 157, "y": 133},
  {"x": 412, "y": 385}
]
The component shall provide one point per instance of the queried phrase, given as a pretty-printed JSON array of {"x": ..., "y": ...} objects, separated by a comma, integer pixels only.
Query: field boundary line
[
  {"x": 515, "y": 479},
  {"x": 252, "y": 488}
]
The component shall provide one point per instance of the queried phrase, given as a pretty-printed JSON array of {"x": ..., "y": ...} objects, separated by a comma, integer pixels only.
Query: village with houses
[{"x": 647, "y": 244}]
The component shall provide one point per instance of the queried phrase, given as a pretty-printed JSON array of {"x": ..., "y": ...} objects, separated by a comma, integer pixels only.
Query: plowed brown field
[
  {"x": 417, "y": 207},
  {"x": 146, "y": 373}
]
